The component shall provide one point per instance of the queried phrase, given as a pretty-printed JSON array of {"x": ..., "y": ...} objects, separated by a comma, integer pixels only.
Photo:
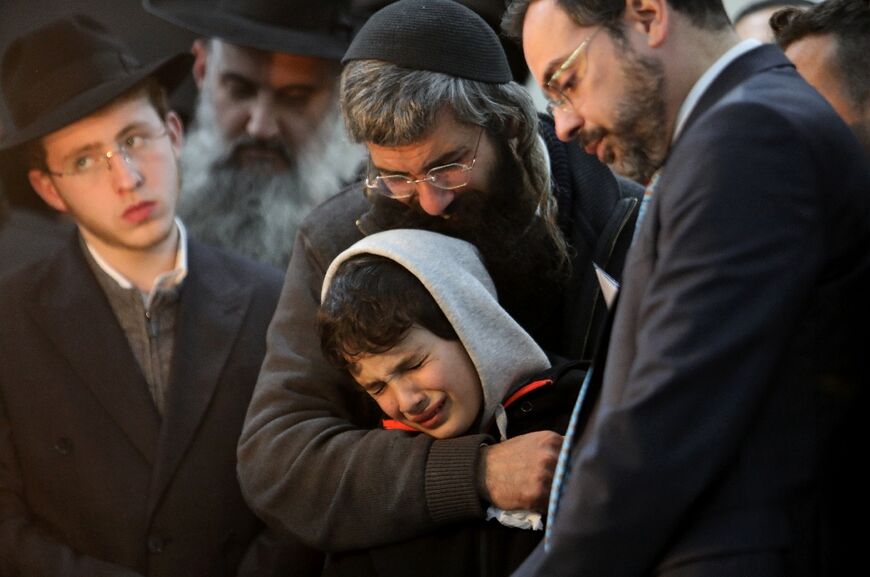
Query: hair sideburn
[{"x": 371, "y": 305}]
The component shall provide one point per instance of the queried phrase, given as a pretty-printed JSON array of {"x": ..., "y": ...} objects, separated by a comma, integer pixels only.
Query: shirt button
[
  {"x": 527, "y": 407},
  {"x": 155, "y": 544},
  {"x": 64, "y": 446}
]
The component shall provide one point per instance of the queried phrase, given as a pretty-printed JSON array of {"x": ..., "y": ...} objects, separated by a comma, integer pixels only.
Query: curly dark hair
[
  {"x": 371, "y": 305},
  {"x": 848, "y": 21},
  {"x": 706, "y": 14}
]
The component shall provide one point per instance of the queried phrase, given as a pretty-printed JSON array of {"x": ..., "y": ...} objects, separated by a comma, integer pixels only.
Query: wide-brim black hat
[
  {"x": 59, "y": 73},
  {"x": 320, "y": 28}
]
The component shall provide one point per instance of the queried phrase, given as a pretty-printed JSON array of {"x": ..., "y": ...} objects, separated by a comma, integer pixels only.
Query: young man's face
[
  {"x": 121, "y": 202},
  {"x": 425, "y": 382},
  {"x": 267, "y": 104},
  {"x": 450, "y": 142},
  {"x": 612, "y": 97}
]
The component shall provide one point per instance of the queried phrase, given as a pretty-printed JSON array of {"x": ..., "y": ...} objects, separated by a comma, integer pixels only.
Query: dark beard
[
  {"x": 638, "y": 133},
  {"x": 519, "y": 254}
]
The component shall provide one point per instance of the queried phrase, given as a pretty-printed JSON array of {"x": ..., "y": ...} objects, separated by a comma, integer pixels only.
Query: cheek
[
  {"x": 298, "y": 125},
  {"x": 231, "y": 115},
  {"x": 387, "y": 402}
]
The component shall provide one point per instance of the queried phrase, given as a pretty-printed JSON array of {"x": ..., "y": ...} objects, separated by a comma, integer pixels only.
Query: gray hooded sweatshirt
[{"x": 503, "y": 353}]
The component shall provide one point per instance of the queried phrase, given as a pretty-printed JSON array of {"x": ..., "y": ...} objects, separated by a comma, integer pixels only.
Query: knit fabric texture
[{"x": 434, "y": 35}]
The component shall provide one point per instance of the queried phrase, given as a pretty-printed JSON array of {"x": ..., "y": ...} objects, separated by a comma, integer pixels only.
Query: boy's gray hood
[{"x": 452, "y": 271}]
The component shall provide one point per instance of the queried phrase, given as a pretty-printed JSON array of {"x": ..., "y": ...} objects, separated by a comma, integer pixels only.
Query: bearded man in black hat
[
  {"x": 456, "y": 147},
  {"x": 126, "y": 360},
  {"x": 267, "y": 143}
]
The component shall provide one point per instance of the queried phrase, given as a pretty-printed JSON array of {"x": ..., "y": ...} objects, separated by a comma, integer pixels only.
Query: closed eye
[
  {"x": 376, "y": 388},
  {"x": 411, "y": 365}
]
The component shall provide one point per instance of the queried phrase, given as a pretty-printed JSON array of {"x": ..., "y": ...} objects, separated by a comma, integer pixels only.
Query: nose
[
  {"x": 262, "y": 119},
  {"x": 125, "y": 173},
  {"x": 434, "y": 200},
  {"x": 411, "y": 400},
  {"x": 568, "y": 123}
]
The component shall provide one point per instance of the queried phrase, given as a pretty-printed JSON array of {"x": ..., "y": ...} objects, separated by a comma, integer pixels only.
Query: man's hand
[{"x": 518, "y": 472}]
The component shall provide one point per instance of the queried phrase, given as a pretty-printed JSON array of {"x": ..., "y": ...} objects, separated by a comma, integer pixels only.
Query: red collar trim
[
  {"x": 520, "y": 393},
  {"x": 525, "y": 390},
  {"x": 397, "y": 425}
]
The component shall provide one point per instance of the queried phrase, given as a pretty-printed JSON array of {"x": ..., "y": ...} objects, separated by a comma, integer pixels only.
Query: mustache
[
  {"x": 246, "y": 143},
  {"x": 587, "y": 137}
]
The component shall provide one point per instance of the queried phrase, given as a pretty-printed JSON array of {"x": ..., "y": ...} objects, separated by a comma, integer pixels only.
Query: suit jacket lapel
[
  {"x": 77, "y": 319},
  {"x": 211, "y": 310}
]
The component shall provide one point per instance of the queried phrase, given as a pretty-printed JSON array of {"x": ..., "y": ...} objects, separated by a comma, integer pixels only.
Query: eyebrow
[
  {"x": 553, "y": 66},
  {"x": 229, "y": 75},
  {"x": 448, "y": 157},
  {"x": 99, "y": 146},
  {"x": 404, "y": 361}
]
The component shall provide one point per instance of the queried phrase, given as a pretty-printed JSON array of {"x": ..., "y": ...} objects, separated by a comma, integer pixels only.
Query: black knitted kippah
[{"x": 435, "y": 35}]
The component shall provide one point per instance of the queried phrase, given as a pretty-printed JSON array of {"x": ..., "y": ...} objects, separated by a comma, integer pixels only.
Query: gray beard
[{"x": 255, "y": 211}]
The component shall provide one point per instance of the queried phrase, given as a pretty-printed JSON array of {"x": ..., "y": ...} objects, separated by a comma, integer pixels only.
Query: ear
[
  {"x": 200, "y": 59},
  {"x": 175, "y": 129},
  {"x": 650, "y": 18},
  {"x": 44, "y": 187}
]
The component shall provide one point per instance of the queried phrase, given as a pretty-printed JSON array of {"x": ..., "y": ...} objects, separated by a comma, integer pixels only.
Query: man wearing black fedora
[
  {"x": 267, "y": 143},
  {"x": 127, "y": 359}
]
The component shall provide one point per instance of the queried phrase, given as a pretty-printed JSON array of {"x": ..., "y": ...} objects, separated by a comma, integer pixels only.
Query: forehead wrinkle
[
  {"x": 391, "y": 361},
  {"x": 430, "y": 158}
]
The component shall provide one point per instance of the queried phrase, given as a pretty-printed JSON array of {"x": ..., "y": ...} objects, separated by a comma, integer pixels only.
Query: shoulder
[
  {"x": 26, "y": 282},
  {"x": 220, "y": 268},
  {"x": 772, "y": 106},
  {"x": 546, "y": 400},
  {"x": 332, "y": 226},
  {"x": 770, "y": 128}
]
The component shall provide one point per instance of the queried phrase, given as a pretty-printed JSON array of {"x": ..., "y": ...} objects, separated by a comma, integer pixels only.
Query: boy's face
[
  {"x": 116, "y": 173},
  {"x": 425, "y": 382}
]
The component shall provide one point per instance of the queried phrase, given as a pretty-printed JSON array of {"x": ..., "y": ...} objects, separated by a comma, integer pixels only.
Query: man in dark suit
[
  {"x": 127, "y": 360},
  {"x": 738, "y": 344}
]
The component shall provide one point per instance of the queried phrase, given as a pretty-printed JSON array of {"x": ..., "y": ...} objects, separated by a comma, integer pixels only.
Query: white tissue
[{"x": 520, "y": 519}]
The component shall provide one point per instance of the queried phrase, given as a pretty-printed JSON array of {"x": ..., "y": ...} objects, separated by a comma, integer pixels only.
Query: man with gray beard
[
  {"x": 267, "y": 143},
  {"x": 251, "y": 207}
]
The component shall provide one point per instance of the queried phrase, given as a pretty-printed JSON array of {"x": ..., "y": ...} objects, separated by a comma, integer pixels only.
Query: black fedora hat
[
  {"x": 63, "y": 71},
  {"x": 320, "y": 28}
]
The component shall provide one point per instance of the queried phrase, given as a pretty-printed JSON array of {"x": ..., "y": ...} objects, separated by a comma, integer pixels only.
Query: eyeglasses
[
  {"x": 136, "y": 146},
  {"x": 447, "y": 177},
  {"x": 557, "y": 96}
]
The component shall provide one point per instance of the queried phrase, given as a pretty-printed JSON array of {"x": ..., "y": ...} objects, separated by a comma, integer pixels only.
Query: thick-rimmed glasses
[
  {"x": 557, "y": 96},
  {"x": 135, "y": 146},
  {"x": 446, "y": 177}
]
